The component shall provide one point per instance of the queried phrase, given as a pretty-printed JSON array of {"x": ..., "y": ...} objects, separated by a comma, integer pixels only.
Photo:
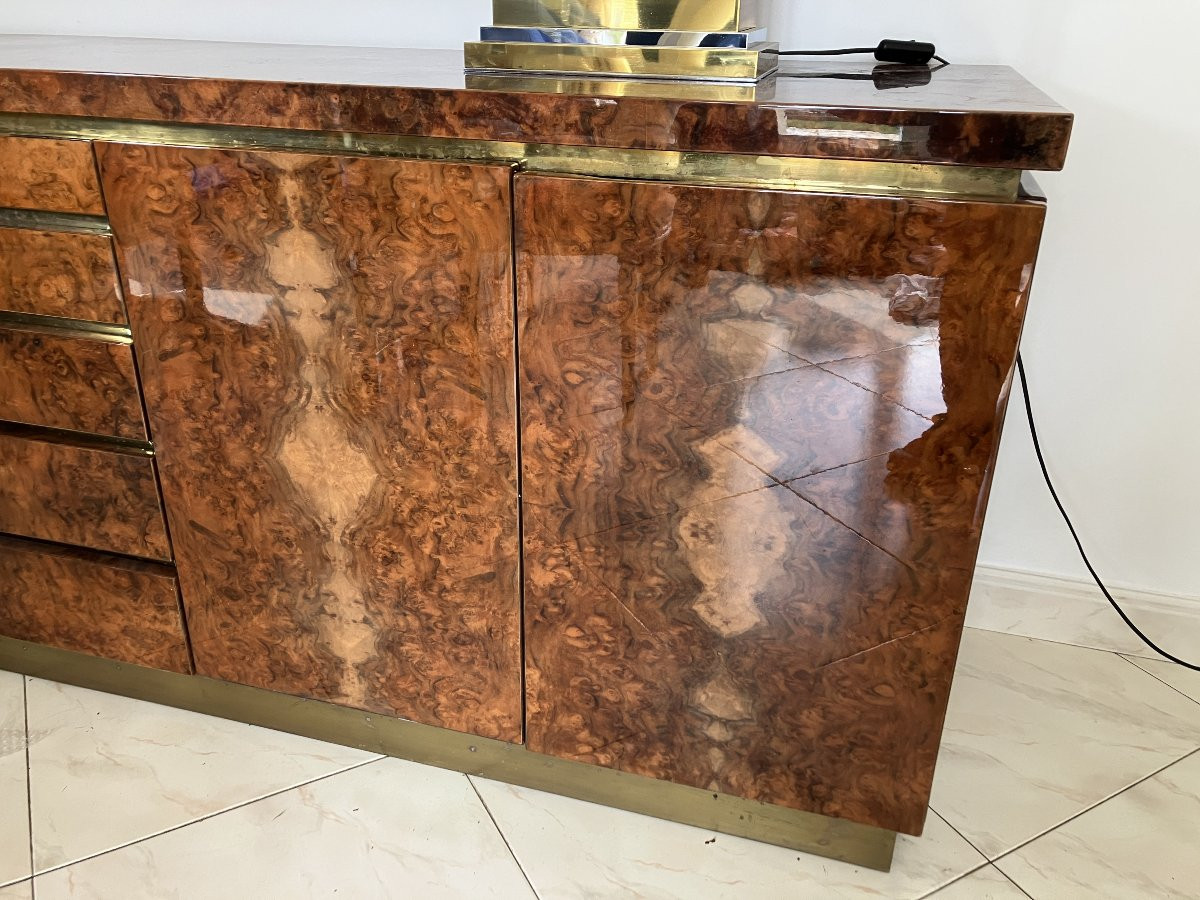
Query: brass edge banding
[
  {"x": 805, "y": 174},
  {"x": 510, "y": 763},
  {"x": 85, "y": 440},
  {"x": 58, "y": 326},
  {"x": 40, "y": 220}
]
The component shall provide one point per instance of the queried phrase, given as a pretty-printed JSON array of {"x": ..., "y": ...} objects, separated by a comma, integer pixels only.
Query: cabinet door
[
  {"x": 758, "y": 430},
  {"x": 326, "y": 346}
]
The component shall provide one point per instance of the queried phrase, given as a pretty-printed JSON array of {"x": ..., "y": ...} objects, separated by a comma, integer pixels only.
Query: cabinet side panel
[
  {"x": 325, "y": 345},
  {"x": 757, "y": 431}
]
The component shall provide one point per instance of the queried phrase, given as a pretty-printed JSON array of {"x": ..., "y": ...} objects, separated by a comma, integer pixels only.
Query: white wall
[{"x": 1109, "y": 343}]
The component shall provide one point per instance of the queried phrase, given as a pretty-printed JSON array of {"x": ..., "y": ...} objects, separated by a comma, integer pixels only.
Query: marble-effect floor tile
[
  {"x": 1142, "y": 843},
  {"x": 1065, "y": 611},
  {"x": 1038, "y": 732},
  {"x": 22, "y": 890},
  {"x": 987, "y": 883},
  {"x": 1183, "y": 680},
  {"x": 384, "y": 830},
  {"x": 107, "y": 770},
  {"x": 572, "y": 850},
  {"x": 14, "y": 810}
]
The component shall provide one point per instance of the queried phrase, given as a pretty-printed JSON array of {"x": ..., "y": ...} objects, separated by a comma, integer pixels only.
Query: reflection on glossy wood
[
  {"x": 69, "y": 382},
  {"x": 54, "y": 274},
  {"x": 910, "y": 376},
  {"x": 657, "y": 690},
  {"x": 58, "y": 176},
  {"x": 595, "y": 472},
  {"x": 791, "y": 643},
  {"x": 91, "y": 498},
  {"x": 326, "y": 348},
  {"x": 92, "y": 603}
]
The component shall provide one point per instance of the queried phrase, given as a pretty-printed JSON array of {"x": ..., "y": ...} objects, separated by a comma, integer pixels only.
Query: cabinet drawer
[
  {"x": 58, "y": 176},
  {"x": 75, "y": 495},
  {"x": 50, "y": 273},
  {"x": 58, "y": 380},
  {"x": 91, "y": 603}
]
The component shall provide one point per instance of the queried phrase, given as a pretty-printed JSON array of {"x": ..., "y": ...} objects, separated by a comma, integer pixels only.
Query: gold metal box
[{"x": 651, "y": 15}]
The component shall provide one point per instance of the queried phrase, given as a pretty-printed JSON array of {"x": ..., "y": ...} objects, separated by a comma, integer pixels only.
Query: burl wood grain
[
  {"x": 326, "y": 345},
  {"x": 792, "y": 639},
  {"x": 52, "y": 175},
  {"x": 93, "y": 603},
  {"x": 73, "y": 495},
  {"x": 967, "y": 115},
  {"x": 50, "y": 273},
  {"x": 69, "y": 382}
]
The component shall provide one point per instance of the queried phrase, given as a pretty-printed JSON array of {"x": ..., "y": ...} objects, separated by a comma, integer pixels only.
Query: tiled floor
[{"x": 1065, "y": 772}]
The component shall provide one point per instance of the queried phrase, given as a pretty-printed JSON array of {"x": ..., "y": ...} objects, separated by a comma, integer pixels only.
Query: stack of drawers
[{"x": 84, "y": 553}]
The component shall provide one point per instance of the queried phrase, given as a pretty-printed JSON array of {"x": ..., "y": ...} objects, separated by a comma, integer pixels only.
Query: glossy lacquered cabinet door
[
  {"x": 758, "y": 430},
  {"x": 326, "y": 347}
]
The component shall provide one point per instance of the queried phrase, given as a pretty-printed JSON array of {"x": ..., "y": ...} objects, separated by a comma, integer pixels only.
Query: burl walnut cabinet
[{"x": 627, "y": 442}]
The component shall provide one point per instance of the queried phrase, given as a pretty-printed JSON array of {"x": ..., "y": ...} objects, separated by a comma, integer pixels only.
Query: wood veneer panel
[
  {"x": 48, "y": 273},
  {"x": 326, "y": 345},
  {"x": 791, "y": 643},
  {"x": 73, "y": 495},
  {"x": 52, "y": 175},
  {"x": 76, "y": 383},
  {"x": 91, "y": 603}
]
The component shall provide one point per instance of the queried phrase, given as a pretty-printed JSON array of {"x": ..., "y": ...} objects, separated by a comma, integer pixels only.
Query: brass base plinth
[
  {"x": 731, "y": 64},
  {"x": 510, "y": 763}
]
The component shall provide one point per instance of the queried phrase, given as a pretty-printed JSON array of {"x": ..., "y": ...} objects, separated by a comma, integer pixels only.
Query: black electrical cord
[
  {"x": 1037, "y": 449},
  {"x": 890, "y": 51},
  {"x": 847, "y": 51}
]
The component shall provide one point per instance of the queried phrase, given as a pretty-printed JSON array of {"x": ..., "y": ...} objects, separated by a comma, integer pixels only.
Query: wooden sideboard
[{"x": 631, "y": 442}]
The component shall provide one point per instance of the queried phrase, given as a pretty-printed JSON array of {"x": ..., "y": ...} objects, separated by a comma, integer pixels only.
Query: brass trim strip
[
  {"x": 85, "y": 440},
  {"x": 66, "y": 328},
  {"x": 511, "y": 763},
  {"x": 41, "y": 220},
  {"x": 718, "y": 169}
]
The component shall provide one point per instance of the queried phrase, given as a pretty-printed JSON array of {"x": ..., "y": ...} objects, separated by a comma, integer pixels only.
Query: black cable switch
[{"x": 906, "y": 53}]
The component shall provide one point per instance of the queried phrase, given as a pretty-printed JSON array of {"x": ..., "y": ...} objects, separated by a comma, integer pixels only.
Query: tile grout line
[
  {"x": 989, "y": 864},
  {"x": 503, "y": 836},
  {"x": 957, "y": 878},
  {"x": 1156, "y": 678},
  {"x": 1084, "y": 812},
  {"x": 205, "y": 818},
  {"x": 1064, "y": 643},
  {"x": 1011, "y": 881},
  {"x": 28, "y": 779}
]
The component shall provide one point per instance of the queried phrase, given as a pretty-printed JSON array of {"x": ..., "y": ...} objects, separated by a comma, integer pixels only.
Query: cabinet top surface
[{"x": 978, "y": 115}]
